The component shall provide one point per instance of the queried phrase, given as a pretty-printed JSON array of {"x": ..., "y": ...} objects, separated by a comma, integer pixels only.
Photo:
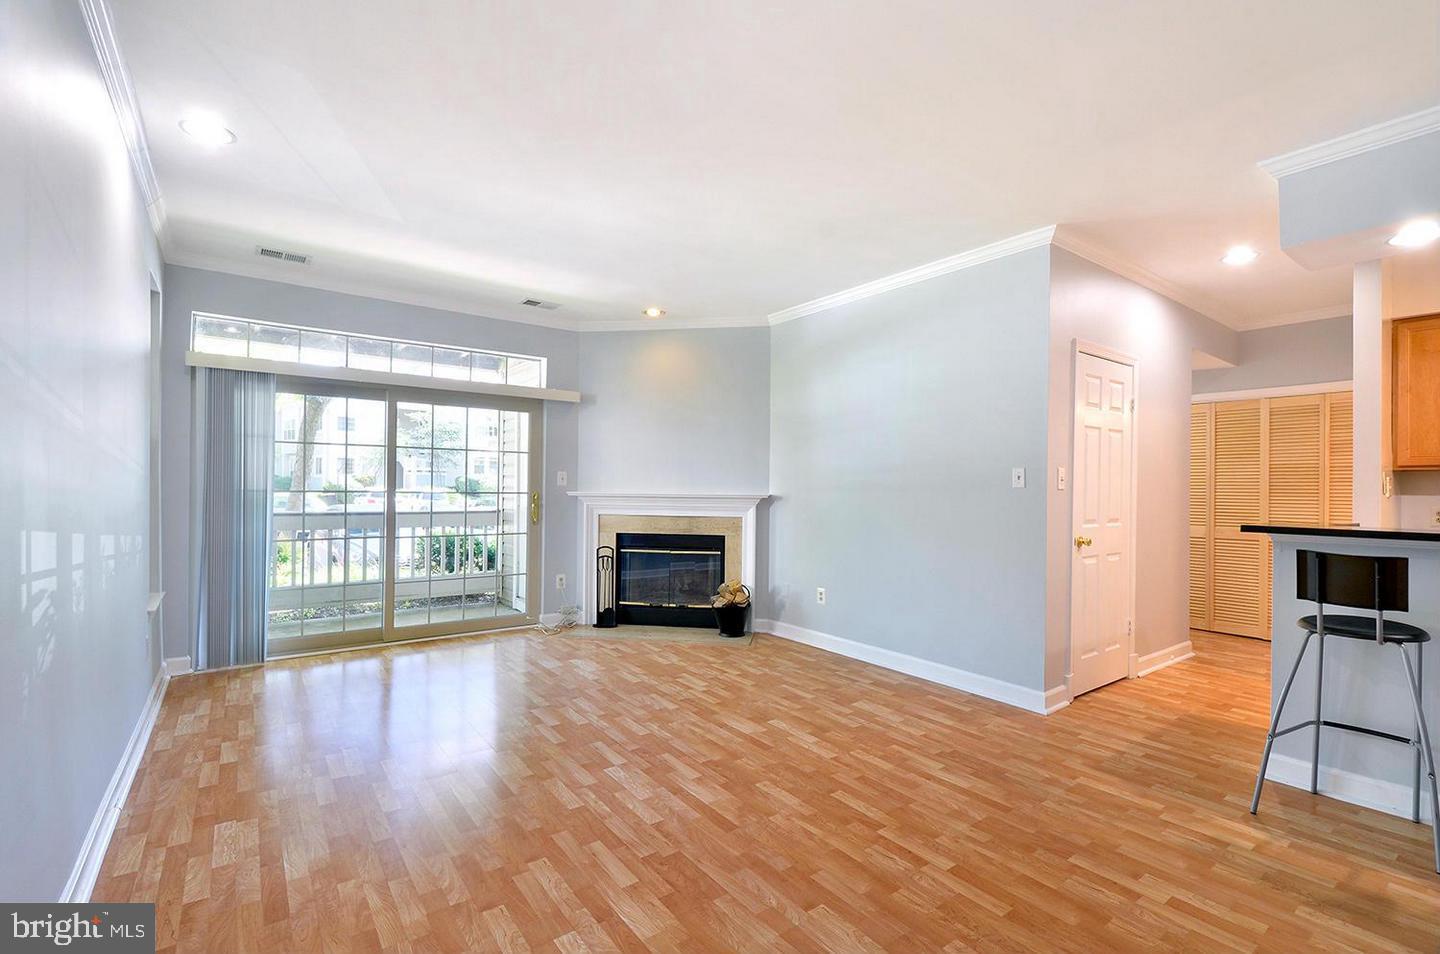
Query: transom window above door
[{"x": 319, "y": 348}]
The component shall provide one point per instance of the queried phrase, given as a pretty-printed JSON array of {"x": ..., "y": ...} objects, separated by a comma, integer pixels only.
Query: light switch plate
[
  {"x": 1059, "y": 478},
  {"x": 562, "y": 478},
  {"x": 1017, "y": 477}
]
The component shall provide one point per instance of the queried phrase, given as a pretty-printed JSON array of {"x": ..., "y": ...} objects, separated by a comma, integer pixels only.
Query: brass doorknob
[{"x": 1082, "y": 542}]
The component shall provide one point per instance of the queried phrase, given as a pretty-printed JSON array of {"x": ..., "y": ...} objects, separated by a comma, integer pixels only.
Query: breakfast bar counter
[{"x": 1362, "y": 685}]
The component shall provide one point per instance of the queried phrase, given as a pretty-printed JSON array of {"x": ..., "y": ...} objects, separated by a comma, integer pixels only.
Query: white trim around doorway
[{"x": 1080, "y": 346}]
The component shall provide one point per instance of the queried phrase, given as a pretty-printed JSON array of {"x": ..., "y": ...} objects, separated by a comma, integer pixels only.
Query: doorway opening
[{"x": 398, "y": 514}]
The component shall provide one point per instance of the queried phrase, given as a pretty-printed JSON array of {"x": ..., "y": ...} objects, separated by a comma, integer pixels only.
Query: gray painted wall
[
  {"x": 77, "y": 660},
  {"x": 676, "y": 411},
  {"x": 189, "y": 289},
  {"x": 1314, "y": 352},
  {"x": 1097, "y": 306},
  {"x": 1372, "y": 190},
  {"x": 894, "y": 423}
]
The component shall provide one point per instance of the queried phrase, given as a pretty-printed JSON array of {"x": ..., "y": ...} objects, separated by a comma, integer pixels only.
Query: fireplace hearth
[{"x": 667, "y": 579}]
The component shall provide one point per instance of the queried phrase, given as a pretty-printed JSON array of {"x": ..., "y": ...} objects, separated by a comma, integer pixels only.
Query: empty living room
[{"x": 693, "y": 477}]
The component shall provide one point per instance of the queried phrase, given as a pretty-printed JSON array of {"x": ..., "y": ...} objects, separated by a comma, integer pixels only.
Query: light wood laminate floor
[{"x": 521, "y": 792}]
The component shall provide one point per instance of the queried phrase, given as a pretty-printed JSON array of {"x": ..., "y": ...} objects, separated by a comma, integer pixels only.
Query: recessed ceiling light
[
  {"x": 207, "y": 129},
  {"x": 1417, "y": 233},
  {"x": 1240, "y": 255},
  {"x": 654, "y": 312}
]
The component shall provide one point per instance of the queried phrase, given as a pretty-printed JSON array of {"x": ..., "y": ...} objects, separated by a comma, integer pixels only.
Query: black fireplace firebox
[{"x": 667, "y": 579}]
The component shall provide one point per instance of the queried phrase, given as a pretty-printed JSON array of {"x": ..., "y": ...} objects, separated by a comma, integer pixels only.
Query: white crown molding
[
  {"x": 459, "y": 303},
  {"x": 1353, "y": 144},
  {"x": 1341, "y": 310},
  {"x": 1279, "y": 390},
  {"x": 976, "y": 256},
  {"x": 665, "y": 324},
  {"x": 263, "y": 271},
  {"x": 127, "y": 108},
  {"x": 1094, "y": 252}
]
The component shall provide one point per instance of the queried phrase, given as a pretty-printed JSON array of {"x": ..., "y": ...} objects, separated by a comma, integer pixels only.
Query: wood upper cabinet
[{"x": 1416, "y": 409}]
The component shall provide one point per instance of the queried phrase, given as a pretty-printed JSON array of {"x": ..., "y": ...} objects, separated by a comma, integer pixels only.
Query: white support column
[{"x": 1374, "y": 504}]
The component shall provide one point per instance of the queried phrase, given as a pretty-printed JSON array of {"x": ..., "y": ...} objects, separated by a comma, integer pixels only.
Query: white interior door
[{"x": 1100, "y": 579}]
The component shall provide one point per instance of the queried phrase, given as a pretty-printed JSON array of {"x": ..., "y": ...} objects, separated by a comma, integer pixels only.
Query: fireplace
[{"x": 667, "y": 579}]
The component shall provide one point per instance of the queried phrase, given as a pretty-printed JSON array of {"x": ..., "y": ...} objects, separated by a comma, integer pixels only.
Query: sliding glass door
[{"x": 400, "y": 513}]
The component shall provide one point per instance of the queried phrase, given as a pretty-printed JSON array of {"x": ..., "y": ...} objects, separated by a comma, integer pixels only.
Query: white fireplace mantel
[{"x": 595, "y": 505}]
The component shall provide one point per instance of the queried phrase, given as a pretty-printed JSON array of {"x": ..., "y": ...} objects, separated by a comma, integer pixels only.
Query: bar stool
[{"x": 1379, "y": 584}]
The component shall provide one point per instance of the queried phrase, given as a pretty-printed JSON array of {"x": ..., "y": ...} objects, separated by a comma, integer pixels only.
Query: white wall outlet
[
  {"x": 562, "y": 478},
  {"x": 1059, "y": 478},
  {"x": 559, "y": 581},
  {"x": 1017, "y": 477},
  {"x": 820, "y": 595},
  {"x": 1437, "y": 518}
]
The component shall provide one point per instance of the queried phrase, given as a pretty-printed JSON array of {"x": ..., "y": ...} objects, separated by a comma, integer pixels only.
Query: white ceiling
[{"x": 730, "y": 160}]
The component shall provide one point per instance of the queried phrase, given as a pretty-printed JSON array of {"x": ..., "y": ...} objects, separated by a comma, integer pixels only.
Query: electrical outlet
[
  {"x": 1437, "y": 518},
  {"x": 562, "y": 478},
  {"x": 559, "y": 581},
  {"x": 820, "y": 595},
  {"x": 1017, "y": 477}
]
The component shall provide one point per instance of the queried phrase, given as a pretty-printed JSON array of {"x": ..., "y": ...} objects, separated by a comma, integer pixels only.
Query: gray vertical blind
[{"x": 234, "y": 446}]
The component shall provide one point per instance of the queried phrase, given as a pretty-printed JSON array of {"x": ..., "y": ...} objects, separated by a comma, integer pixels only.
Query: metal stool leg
[
  {"x": 1319, "y": 689},
  {"x": 1429, "y": 753},
  {"x": 1275, "y": 724},
  {"x": 1420, "y": 680}
]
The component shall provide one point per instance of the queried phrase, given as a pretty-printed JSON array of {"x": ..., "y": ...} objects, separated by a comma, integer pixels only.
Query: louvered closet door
[
  {"x": 1200, "y": 477},
  {"x": 1339, "y": 459},
  {"x": 1240, "y": 562}
]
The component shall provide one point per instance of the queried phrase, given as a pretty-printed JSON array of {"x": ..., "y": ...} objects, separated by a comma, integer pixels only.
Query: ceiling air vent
[
  {"x": 537, "y": 303},
  {"x": 281, "y": 255}
]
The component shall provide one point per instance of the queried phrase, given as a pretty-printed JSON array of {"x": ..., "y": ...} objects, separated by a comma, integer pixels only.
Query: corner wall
[
  {"x": 77, "y": 659},
  {"x": 1313, "y": 352},
  {"x": 685, "y": 411},
  {"x": 894, "y": 423},
  {"x": 1096, "y": 305}
]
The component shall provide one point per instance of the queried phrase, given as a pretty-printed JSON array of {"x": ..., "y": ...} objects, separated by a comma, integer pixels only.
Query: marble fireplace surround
[{"x": 605, "y": 514}]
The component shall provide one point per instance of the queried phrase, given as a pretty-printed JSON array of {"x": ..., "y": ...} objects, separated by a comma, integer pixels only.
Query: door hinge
[
  {"x": 1132, "y": 405},
  {"x": 535, "y": 506}
]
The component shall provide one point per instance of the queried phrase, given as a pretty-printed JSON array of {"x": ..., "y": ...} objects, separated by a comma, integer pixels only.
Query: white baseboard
[
  {"x": 1169, "y": 656},
  {"x": 1392, "y": 798},
  {"x": 1057, "y": 698},
  {"x": 97, "y": 839},
  {"x": 1009, "y": 693},
  {"x": 177, "y": 666}
]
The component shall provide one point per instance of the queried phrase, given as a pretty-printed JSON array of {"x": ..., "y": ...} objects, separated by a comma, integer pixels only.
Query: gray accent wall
[
  {"x": 675, "y": 411},
  {"x": 77, "y": 658},
  {"x": 1372, "y": 190},
  {"x": 1097, "y": 306},
  {"x": 190, "y": 289},
  {"x": 894, "y": 423},
  {"x": 1313, "y": 352}
]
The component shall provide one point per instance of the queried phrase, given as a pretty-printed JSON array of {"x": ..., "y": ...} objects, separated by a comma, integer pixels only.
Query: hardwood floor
[{"x": 521, "y": 792}]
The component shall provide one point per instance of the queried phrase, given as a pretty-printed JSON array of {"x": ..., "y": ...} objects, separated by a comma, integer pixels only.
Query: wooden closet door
[
  {"x": 1240, "y": 562},
  {"x": 1201, "y": 474},
  {"x": 1339, "y": 459},
  {"x": 1295, "y": 447}
]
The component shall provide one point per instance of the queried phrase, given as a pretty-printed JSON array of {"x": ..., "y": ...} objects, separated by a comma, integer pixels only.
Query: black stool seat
[{"x": 1363, "y": 627}]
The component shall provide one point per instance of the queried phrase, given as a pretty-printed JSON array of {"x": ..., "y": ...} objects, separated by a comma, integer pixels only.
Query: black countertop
[{"x": 1349, "y": 533}]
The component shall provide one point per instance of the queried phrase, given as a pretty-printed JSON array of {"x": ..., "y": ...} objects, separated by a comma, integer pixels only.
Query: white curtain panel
[{"x": 233, "y": 452}]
